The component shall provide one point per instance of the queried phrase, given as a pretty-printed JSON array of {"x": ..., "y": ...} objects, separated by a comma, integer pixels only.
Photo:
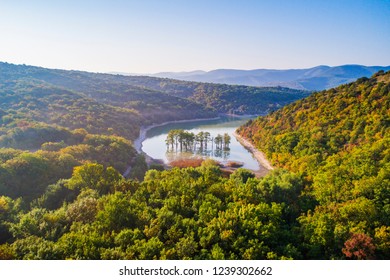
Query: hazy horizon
[{"x": 146, "y": 37}]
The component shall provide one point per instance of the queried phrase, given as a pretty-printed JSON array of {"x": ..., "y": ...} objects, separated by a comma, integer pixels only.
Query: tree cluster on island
[{"x": 182, "y": 140}]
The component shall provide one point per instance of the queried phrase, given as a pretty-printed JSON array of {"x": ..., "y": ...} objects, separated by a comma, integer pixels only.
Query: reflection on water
[
  {"x": 203, "y": 144},
  {"x": 216, "y": 154},
  {"x": 155, "y": 145}
]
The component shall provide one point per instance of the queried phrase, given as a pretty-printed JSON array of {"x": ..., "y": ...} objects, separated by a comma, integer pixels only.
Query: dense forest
[
  {"x": 338, "y": 142},
  {"x": 69, "y": 100},
  {"x": 65, "y": 139},
  {"x": 190, "y": 213},
  {"x": 155, "y": 99}
]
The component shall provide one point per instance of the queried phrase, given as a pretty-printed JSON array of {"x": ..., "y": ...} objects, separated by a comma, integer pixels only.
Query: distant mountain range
[
  {"x": 77, "y": 99},
  {"x": 316, "y": 78}
]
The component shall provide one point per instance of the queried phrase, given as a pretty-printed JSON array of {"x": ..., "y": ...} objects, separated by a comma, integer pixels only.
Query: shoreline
[
  {"x": 264, "y": 165},
  {"x": 137, "y": 143},
  {"x": 259, "y": 155},
  {"x": 143, "y": 130}
]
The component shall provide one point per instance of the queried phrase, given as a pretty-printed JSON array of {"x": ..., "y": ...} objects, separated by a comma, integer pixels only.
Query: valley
[{"x": 67, "y": 136}]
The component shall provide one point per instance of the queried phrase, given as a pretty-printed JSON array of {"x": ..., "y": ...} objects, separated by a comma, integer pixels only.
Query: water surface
[{"x": 154, "y": 144}]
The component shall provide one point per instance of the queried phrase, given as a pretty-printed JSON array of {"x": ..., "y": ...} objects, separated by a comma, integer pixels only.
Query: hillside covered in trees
[
  {"x": 74, "y": 100},
  {"x": 338, "y": 142},
  {"x": 153, "y": 99},
  {"x": 190, "y": 213},
  {"x": 65, "y": 140},
  {"x": 47, "y": 118}
]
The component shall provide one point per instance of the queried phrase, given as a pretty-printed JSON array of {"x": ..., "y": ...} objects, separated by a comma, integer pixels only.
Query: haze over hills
[
  {"x": 155, "y": 99},
  {"x": 316, "y": 78}
]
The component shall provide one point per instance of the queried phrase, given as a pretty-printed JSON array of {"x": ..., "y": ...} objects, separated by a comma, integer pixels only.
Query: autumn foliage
[{"x": 359, "y": 246}]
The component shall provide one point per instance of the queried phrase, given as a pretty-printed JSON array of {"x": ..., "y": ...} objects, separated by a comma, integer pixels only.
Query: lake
[{"x": 155, "y": 146}]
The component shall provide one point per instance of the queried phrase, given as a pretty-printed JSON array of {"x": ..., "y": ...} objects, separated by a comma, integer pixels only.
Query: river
[{"x": 154, "y": 141}]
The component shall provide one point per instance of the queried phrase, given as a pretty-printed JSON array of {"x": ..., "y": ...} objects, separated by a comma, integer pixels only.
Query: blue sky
[{"x": 169, "y": 35}]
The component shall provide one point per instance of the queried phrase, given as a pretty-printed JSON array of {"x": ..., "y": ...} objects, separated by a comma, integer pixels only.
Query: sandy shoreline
[
  {"x": 264, "y": 165},
  {"x": 259, "y": 156}
]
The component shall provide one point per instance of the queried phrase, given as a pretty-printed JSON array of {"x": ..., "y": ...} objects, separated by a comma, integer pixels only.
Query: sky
[{"x": 151, "y": 36}]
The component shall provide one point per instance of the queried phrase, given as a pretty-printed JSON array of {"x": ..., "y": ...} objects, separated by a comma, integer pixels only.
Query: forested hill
[
  {"x": 66, "y": 197},
  {"x": 157, "y": 99},
  {"x": 75, "y": 99},
  {"x": 339, "y": 140},
  {"x": 310, "y": 130},
  {"x": 223, "y": 98}
]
